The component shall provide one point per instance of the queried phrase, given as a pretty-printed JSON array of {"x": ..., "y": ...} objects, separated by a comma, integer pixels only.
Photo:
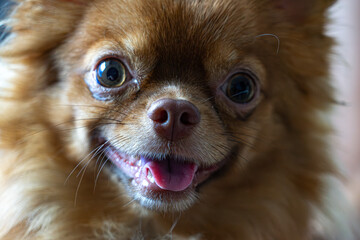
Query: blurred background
[{"x": 345, "y": 27}]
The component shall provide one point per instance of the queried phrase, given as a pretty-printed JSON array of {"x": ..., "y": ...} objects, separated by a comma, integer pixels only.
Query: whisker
[
  {"x": 97, "y": 176},
  {"x": 244, "y": 158},
  {"x": 119, "y": 139},
  {"x": 97, "y": 162},
  {"x": 173, "y": 226},
  {"x": 272, "y": 35},
  {"x": 207, "y": 99},
  {"x": 92, "y": 106},
  {"x": 72, "y": 171},
  {"x": 219, "y": 148},
  {"x": 252, "y": 136},
  {"x": 78, "y": 187},
  {"x": 101, "y": 168},
  {"x": 77, "y": 127},
  {"x": 96, "y": 149},
  {"x": 114, "y": 139},
  {"x": 243, "y": 142},
  {"x": 83, "y": 170},
  {"x": 85, "y": 166},
  {"x": 92, "y": 157},
  {"x": 130, "y": 202}
]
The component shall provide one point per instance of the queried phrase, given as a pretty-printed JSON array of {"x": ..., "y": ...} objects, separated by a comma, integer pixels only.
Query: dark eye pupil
[
  {"x": 240, "y": 89},
  {"x": 110, "y": 73}
]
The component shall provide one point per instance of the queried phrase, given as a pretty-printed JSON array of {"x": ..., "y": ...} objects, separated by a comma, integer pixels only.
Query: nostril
[
  {"x": 185, "y": 119},
  {"x": 159, "y": 115},
  {"x": 190, "y": 114},
  {"x": 162, "y": 116}
]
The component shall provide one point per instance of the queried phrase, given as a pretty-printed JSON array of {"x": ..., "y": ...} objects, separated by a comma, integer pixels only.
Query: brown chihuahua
[{"x": 167, "y": 119}]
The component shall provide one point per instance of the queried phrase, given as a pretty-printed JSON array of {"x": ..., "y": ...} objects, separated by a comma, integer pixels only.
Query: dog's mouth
[
  {"x": 167, "y": 174},
  {"x": 166, "y": 181}
]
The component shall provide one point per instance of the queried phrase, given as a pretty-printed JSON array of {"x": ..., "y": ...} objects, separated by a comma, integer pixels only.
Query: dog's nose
[{"x": 173, "y": 119}]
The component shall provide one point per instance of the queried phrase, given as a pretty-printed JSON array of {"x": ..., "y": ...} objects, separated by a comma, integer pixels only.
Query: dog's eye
[
  {"x": 111, "y": 73},
  {"x": 240, "y": 88}
]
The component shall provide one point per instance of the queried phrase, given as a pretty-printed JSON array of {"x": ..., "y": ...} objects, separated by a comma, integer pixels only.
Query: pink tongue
[{"x": 171, "y": 175}]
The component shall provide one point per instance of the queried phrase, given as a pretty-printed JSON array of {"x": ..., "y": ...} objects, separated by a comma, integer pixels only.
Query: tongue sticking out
[{"x": 171, "y": 175}]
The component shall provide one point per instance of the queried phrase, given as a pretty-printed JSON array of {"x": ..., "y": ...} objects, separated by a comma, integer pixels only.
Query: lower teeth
[{"x": 150, "y": 177}]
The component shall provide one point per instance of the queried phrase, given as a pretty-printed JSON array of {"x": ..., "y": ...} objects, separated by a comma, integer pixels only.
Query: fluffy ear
[
  {"x": 36, "y": 26},
  {"x": 297, "y": 11}
]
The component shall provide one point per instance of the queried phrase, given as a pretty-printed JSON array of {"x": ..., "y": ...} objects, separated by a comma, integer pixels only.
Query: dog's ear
[
  {"x": 37, "y": 26},
  {"x": 298, "y": 11}
]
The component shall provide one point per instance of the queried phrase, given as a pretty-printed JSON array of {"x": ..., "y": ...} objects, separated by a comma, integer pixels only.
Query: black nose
[{"x": 173, "y": 119}]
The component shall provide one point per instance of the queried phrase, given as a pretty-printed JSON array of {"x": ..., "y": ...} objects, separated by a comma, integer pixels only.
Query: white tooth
[
  {"x": 150, "y": 177},
  {"x": 138, "y": 162},
  {"x": 137, "y": 174},
  {"x": 145, "y": 183}
]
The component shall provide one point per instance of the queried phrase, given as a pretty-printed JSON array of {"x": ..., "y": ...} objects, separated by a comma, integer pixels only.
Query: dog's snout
[{"x": 173, "y": 119}]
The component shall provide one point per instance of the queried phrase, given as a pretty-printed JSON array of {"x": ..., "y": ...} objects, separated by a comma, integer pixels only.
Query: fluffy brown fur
[{"x": 278, "y": 181}]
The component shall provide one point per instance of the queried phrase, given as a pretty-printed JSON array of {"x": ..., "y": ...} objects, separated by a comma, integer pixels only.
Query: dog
[{"x": 168, "y": 119}]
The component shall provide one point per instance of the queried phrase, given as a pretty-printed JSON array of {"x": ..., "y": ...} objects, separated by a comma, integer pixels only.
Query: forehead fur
[
  {"x": 175, "y": 35},
  {"x": 173, "y": 23}
]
